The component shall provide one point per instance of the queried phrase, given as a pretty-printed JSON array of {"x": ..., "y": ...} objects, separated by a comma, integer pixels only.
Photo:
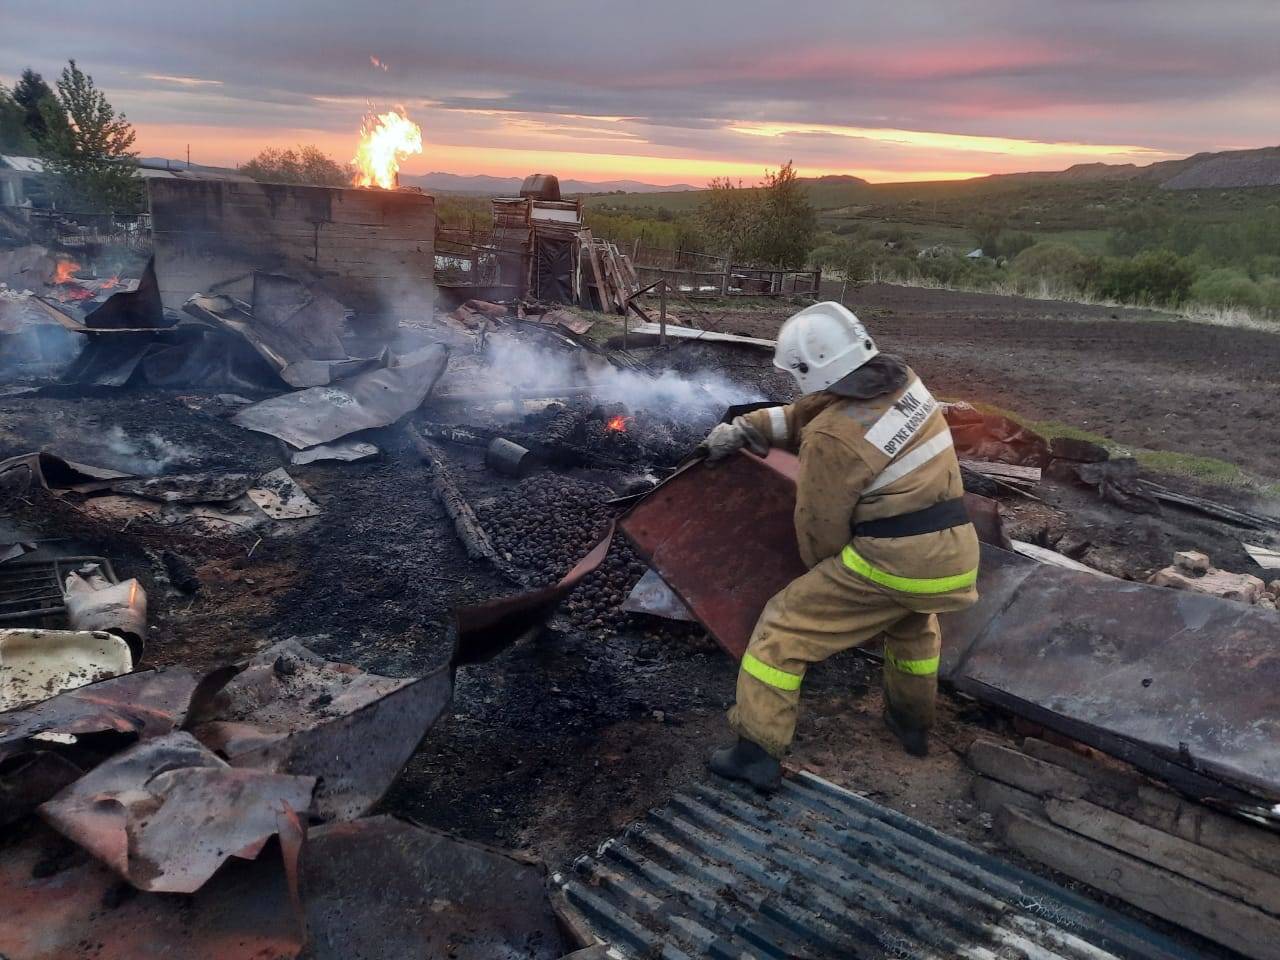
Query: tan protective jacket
[{"x": 867, "y": 459}]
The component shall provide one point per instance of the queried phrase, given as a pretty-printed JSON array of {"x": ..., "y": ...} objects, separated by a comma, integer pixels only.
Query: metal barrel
[{"x": 508, "y": 458}]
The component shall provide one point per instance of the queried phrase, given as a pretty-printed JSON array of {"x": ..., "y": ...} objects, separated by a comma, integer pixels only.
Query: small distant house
[{"x": 20, "y": 180}]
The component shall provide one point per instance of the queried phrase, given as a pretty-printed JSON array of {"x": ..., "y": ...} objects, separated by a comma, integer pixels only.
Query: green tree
[
  {"x": 89, "y": 149},
  {"x": 724, "y": 216},
  {"x": 307, "y": 164},
  {"x": 773, "y": 224},
  {"x": 35, "y": 98},
  {"x": 986, "y": 230},
  {"x": 14, "y": 136},
  {"x": 785, "y": 221},
  {"x": 1012, "y": 244}
]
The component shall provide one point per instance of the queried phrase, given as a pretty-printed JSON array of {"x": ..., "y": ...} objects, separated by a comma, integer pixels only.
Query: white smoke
[
  {"x": 147, "y": 455},
  {"x": 32, "y": 345},
  {"x": 704, "y": 392}
]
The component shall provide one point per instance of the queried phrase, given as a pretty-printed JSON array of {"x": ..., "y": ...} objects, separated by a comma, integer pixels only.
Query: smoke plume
[
  {"x": 694, "y": 395},
  {"x": 147, "y": 455}
]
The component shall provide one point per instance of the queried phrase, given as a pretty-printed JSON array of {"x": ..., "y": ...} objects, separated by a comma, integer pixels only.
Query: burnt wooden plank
[
  {"x": 1176, "y": 855},
  {"x": 1214, "y": 916},
  {"x": 1047, "y": 770}
]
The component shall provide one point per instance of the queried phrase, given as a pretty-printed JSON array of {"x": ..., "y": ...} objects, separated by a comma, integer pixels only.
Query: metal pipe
[{"x": 508, "y": 458}]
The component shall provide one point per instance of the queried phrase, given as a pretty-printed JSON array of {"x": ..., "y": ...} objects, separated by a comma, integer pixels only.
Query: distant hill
[
  {"x": 510, "y": 186},
  {"x": 835, "y": 180},
  {"x": 1236, "y": 168},
  {"x": 488, "y": 186},
  {"x": 1203, "y": 171}
]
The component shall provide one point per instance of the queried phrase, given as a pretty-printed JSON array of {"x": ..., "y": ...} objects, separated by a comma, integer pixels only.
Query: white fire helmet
[{"x": 822, "y": 345}]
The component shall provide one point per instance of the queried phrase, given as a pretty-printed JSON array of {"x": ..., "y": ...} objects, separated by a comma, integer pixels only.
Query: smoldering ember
[{"x": 376, "y": 578}]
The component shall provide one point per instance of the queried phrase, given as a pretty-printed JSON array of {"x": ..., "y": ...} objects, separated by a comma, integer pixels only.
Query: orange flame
[
  {"x": 618, "y": 424},
  {"x": 384, "y": 139},
  {"x": 63, "y": 271}
]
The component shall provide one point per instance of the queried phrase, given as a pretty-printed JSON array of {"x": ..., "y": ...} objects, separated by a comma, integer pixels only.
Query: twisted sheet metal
[{"x": 816, "y": 871}]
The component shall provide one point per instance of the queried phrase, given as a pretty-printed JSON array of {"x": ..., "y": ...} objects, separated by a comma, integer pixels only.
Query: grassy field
[{"x": 1081, "y": 213}]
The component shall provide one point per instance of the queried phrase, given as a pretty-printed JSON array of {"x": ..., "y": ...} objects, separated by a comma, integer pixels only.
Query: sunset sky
[{"x": 671, "y": 92}]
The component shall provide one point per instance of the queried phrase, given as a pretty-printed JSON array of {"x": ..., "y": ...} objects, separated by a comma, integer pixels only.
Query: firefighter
[{"x": 881, "y": 525}]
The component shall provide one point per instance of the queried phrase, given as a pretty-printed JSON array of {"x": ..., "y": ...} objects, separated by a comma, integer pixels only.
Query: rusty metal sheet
[
  {"x": 1192, "y": 678},
  {"x": 380, "y": 887},
  {"x": 486, "y": 629},
  {"x": 18, "y": 474},
  {"x": 291, "y": 711},
  {"x": 167, "y": 813},
  {"x": 61, "y": 903},
  {"x": 723, "y": 537},
  {"x": 144, "y": 704},
  {"x": 46, "y": 746}
]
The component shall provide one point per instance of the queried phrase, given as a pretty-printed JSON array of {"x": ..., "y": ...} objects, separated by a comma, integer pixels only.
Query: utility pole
[{"x": 188, "y": 156}]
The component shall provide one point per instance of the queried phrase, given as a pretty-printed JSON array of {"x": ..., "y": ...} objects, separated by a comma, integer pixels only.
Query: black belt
[{"x": 941, "y": 516}]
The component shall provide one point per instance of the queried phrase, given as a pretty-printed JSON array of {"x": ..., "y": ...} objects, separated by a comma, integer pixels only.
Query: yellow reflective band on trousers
[
  {"x": 922, "y": 585},
  {"x": 917, "y": 668},
  {"x": 770, "y": 675}
]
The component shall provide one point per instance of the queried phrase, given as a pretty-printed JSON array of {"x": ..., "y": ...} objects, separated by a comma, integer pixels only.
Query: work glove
[{"x": 727, "y": 438}]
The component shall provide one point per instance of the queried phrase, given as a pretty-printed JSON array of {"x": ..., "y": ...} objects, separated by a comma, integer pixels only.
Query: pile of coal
[
  {"x": 613, "y": 431},
  {"x": 546, "y": 523},
  {"x": 557, "y": 424},
  {"x": 594, "y": 603}
]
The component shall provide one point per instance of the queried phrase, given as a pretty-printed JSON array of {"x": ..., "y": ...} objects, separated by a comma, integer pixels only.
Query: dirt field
[{"x": 1134, "y": 376}]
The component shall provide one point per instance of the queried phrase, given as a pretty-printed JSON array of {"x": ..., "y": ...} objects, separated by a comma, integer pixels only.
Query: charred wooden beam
[{"x": 465, "y": 522}]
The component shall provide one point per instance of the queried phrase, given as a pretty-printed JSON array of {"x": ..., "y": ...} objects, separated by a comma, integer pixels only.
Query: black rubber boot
[
  {"x": 914, "y": 740},
  {"x": 748, "y": 762}
]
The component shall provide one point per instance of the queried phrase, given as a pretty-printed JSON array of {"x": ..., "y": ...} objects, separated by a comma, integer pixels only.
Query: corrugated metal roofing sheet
[
  {"x": 23, "y": 164},
  {"x": 816, "y": 871}
]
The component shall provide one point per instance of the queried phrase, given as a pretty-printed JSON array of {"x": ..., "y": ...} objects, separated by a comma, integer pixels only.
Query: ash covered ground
[{"x": 558, "y": 742}]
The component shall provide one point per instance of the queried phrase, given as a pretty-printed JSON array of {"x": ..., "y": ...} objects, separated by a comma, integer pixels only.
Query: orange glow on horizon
[
  {"x": 945, "y": 154},
  {"x": 1005, "y": 146},
  {"x": 231, "y": 146}
]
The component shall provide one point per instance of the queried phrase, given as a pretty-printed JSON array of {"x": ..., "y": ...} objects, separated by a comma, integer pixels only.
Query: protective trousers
[{"x": 825, "y": 611}]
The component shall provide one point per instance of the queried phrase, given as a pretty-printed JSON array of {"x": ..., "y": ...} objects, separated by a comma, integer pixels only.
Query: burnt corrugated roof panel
[{"x": 816, "y": 871}]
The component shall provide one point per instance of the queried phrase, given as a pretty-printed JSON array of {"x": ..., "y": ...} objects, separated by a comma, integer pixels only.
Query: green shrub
[
  {"x": 1055, "y": 264},
  {"x": 1228, "y": 288},
  {"x": 1269, "y": 288},
  {"x": 1012, "y": 244},
  {"x": 1155, "y": 277}
]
